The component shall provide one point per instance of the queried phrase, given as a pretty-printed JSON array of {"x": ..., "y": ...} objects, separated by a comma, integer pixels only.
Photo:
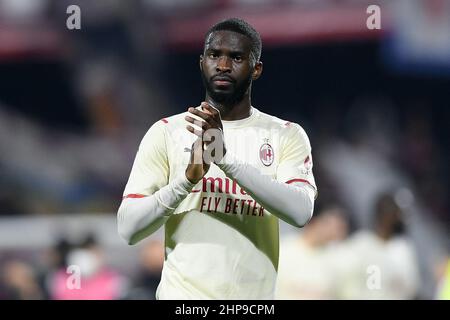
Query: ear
[
  {"x": 200, "y": 62},
  {"x": 258, "y": 70}
]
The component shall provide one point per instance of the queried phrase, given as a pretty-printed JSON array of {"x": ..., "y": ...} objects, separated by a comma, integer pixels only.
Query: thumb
[{"x": 197, "y": 151}]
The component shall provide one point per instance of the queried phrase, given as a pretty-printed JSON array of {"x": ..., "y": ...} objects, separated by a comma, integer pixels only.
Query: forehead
[{"x": 228, "y": 40}]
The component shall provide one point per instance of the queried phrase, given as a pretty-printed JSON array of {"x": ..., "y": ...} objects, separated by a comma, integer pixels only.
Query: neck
[
  {"x": 382, "y": 233},
  {"x": 236, "y": 111}
]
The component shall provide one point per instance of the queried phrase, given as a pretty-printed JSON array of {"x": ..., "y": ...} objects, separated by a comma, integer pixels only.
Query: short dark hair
[{"x": 242, "y": 27}]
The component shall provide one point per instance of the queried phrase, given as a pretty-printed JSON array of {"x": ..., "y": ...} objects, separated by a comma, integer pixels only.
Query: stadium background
[{"x": 74, "y": 105}]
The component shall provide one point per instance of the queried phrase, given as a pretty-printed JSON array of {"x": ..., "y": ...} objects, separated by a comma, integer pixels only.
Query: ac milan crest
[{"x": 266, "y": 154}]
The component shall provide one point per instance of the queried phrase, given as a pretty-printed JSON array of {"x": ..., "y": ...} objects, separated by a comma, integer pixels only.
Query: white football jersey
[{"x": 220, "y": 243}]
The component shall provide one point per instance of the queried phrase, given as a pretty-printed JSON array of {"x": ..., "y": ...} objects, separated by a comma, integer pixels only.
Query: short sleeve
[
  {"x": 150, "y": 171},
  {"x": 296, "y": 161}
]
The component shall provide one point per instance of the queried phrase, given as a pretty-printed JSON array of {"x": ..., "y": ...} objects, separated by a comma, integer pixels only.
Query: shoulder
[
  {"x": 401, "y": 243},
  {"x": 363, "y": 239},
  {"x": 285, "y": 126},
  {"x": 164, "y": 125},
  {"x": 290, "y": 132},
  {"x": 156, "y": 137},
  {"x": 171, "y": 122},
  {"x": 363, "y": 234},
  {"x": 271, "y": 121},
  {"x": 174, "y": 120}
]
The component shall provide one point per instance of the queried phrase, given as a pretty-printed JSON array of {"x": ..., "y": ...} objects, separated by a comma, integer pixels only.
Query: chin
[
  {"x": 222, "y": 99},
  {"x": 222, "y": 90}
]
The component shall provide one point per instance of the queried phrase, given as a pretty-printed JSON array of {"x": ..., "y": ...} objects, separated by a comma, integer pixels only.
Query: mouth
[{"x": 222, "y": 81}]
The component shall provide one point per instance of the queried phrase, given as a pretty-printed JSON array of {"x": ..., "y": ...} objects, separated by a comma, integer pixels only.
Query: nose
[{"x": 223, "y": 64}]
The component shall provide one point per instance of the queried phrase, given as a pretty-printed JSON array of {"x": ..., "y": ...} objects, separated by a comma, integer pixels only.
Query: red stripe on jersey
[
  {"x": 164, "y": 120},
  {"x": 299, "y": 180},
  {"x": 133, "y": 196}
]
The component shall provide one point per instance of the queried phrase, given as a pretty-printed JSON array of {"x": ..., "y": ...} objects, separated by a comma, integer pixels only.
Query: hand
[
  {"x": 211, "y": 131},
  {"x": 197, "y": 167}
]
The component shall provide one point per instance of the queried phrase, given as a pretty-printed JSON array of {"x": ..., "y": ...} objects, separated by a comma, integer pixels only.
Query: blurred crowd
[
  {"x": 79, "y": 271},
  {"x": 75, "y": 105}
]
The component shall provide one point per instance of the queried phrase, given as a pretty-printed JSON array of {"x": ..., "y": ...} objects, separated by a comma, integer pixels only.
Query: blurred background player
[
  {"x": 381, "y": 262},
  {"x": 308, "y": 258}
]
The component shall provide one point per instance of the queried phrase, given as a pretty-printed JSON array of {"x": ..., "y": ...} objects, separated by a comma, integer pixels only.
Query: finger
[
  {"x": 211, "y": 109},
  {"x": 197, "y": 144},
  {"x": 204, "y": 135},
  {"x": 204, "y": 105},
  {"x": 215, "y": 113},
  {"x": 200, "y": 113},
  {"x": 196, "y": 156},
  {"x": 205, "y": 116},
  {"x": 201, "y": 124},
  {"x": 198, "y": 133}
]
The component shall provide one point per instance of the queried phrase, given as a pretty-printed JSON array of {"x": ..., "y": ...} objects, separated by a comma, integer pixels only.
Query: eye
[
  {"x": 237, "y": 58},
  {"x": 212, "y": 55}
]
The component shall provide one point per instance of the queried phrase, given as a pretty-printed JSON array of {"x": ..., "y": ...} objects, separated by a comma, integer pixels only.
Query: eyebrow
[{"x": 232, "y": 52}]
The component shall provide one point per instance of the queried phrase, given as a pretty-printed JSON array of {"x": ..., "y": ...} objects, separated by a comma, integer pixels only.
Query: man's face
[{"x": 227, "y": 66}]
